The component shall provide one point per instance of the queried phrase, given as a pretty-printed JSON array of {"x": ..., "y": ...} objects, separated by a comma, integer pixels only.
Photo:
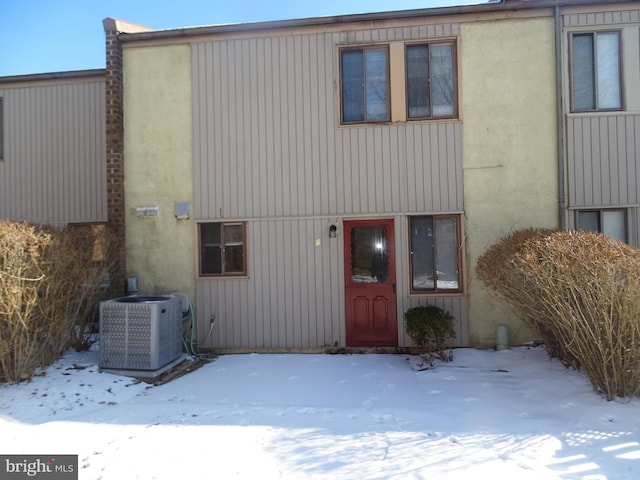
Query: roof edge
[
  {"x": 96, "y": 72},
  {"x": 505, "y": 5}
]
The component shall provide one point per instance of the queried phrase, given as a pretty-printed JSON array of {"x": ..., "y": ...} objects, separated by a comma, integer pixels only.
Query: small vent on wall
[
  {"x": 181, "y": 210},
  {"x": 147, "y": 212}
]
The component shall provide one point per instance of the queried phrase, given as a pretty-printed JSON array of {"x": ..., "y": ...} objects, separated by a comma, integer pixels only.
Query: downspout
[{"x": 560, "y": 119}]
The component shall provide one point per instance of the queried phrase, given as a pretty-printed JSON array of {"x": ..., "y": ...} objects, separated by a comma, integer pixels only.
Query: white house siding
[
  {"x": 53, "y": 166},
  {"x": 269, "y": 150}
]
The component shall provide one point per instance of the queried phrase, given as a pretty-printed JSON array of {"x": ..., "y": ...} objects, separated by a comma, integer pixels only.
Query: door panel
[{"x": 370, "y": 283}]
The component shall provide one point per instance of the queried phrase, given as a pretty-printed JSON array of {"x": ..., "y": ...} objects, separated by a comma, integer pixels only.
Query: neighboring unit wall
[
  {"x": 603, "y": 168},
  {"x": 53, "y": 164},
  {"x": 603, "y": 159},
  {"x": 510, "y": 168},
  {"x": 158, "y": 167}
]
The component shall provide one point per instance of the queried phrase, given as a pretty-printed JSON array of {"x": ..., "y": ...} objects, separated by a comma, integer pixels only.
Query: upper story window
[
  {"x": 596, "y": 71},
  {"x": 364, "y": 82},
  {"x": 431, "y": 89},
  {"x": 222, "y": 249}
]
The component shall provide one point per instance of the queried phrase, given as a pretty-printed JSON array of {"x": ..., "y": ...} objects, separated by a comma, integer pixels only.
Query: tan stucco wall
[
  {"x": 509, "y": 147},
  {"x": 159, "y": 167}
]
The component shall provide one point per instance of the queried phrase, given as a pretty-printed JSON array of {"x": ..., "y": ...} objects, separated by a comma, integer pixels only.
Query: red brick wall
[{"x": 115, "y": 155}]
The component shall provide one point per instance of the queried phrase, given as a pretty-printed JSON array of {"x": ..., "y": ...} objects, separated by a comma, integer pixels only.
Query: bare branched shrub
[
  {"x": 581, "y": 291},
  {"x": 80, "y": 261},
  {"x": 51, "y": 281},
  {"x": 21, "y": 275}
]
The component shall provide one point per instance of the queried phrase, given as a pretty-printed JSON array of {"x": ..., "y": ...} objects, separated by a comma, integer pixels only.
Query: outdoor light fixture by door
[{"x": 333, "y": 231}]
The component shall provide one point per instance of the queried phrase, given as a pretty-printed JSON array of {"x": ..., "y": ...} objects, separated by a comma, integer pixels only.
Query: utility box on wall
[{"x": 140, "y": 332}]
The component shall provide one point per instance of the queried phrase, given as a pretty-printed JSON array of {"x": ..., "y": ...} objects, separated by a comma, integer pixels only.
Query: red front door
[{"x": 370, "y": 281}]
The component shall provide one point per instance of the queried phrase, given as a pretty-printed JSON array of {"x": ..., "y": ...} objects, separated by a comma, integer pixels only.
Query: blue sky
[{"x": 41, "y": 36}]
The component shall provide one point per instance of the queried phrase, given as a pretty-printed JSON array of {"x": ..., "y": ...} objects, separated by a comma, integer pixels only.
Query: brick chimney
[{"x": 115, "y": 142}]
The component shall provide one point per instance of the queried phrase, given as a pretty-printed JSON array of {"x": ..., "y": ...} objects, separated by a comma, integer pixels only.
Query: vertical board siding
[
  {"x": 603, "y": 160},
  {"x": 456, "y": 304},
  {"x": 269, "y": 149},
  {"x": 292, "y": 298},
  {"x": 54, "y": 168},
  {"x": 602, "y": 18},
  {"x": 268, "y": 141}
]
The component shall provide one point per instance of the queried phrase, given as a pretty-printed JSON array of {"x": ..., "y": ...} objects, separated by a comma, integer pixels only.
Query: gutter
[
  {"x": 504, "y": 6},
  {"x": 557, "y": 19}
]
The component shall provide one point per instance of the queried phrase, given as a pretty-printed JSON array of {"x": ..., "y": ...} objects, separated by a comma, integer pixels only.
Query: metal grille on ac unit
[{"x": 140, "y": 333}]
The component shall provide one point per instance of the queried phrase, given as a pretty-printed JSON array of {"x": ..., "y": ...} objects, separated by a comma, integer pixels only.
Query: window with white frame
[
  {"x": 612, "y": 223},
  {"x": 435, "y": 253},
  {"x": 431, "y": 90},
  {"x": 596, "y": 71},
  {"x": 222, "y": 248},
  {"x": 364, "y": 84}
]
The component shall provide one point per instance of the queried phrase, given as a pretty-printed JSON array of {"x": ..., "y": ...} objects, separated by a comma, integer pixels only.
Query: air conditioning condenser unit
[{"x": 140, "y": 332}]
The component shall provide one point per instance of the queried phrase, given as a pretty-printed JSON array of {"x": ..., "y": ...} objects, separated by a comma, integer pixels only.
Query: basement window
[{"x": 608, "y": 222}]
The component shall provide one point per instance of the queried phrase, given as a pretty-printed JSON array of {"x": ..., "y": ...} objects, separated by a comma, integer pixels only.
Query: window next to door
[
  {"x": 434, "y": 247},
  {"x": 222, "y": 249}
]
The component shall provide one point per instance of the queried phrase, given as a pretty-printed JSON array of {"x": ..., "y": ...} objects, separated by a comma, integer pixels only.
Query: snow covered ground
[{"x": 513, "y": 414}]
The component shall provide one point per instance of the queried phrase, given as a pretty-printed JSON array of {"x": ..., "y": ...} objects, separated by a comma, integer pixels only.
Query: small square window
[{"x": 222, "y": 249}]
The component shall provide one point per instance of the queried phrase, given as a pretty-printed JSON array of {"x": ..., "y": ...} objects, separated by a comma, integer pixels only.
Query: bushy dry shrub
[
  {"x": 499, "y": 270},
  {"x": 50, "y": 283},
  {"x": 581, "y": 292}
]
